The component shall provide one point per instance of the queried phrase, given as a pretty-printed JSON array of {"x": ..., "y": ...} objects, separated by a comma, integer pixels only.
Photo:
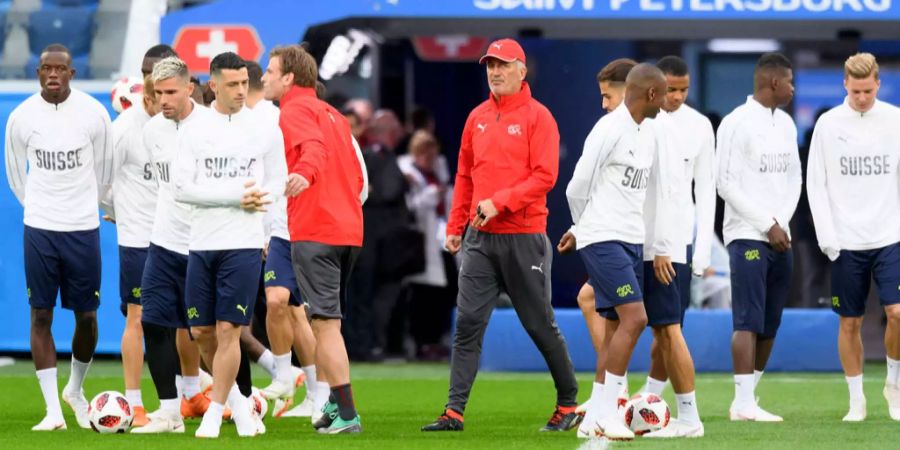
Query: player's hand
[
  {"x": 484, "y": 212},
  {"x": 453, "y": 244},
  {"x": 253, "y": 199},
  {"x": 566, "y": 243},
  {"x": 265, "y": 252},
  {"x": 663, "y": 269},
  {"x": 296, "y": 184},
  {"x": 109, "y": 219},
  {"x": 778, "y": 238}
]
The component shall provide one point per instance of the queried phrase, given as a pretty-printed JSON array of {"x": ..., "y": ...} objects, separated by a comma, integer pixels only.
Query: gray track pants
[{"x": 520, "y": 264}]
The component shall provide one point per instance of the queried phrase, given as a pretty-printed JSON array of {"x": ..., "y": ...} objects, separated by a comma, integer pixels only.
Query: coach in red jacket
[
  {"x": 508, "y": 161},
  {"x": 325, "y": 221}
]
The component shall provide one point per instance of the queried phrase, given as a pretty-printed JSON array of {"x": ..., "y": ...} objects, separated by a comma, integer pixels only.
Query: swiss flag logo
[
  {"x": 452, "y": 48},
  {"x": 197, "y": 45}
]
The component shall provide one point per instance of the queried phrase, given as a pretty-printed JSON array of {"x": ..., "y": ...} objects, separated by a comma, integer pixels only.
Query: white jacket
[
  {"x": 852, "y": 178},
  {"x": 759, "y": 174}
]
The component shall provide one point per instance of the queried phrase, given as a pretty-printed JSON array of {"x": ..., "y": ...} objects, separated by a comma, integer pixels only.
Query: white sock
[
  {"x": 757, "y": 375},
  {"x": 191, "y": 386},
  {"x": 596, "y": 393},
  {"x": 310, "y": 382},
  {"x": 613, "y": 384},
  {"x": 134, "y": 397},
  {"x": 855, "y": 386},
  {"x": 893, "y": 371},
  {"x": 267, "y": 361},
  {"x": 623, "y": 390},
  {"x": 283, "y": 368},
  {"x": 171, "y": 405},
  {"x": 215, "y": 412},
  {"x": 76, "y": 378},
  {"x": 179, "y": 385},
  {"x": 654, "y": 386},
  {"x": 744, "y": 387},
  {"x": 323, "y": 391},
  {"x": 47, "y": 380},
  {"x": 687, "y": 408}
]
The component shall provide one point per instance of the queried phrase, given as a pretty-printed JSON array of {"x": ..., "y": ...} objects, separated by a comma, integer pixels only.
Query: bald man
[{"x": 620, "y": 156}]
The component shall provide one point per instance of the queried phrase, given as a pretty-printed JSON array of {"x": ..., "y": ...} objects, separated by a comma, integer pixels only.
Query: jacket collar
[
  {"x": 296, "y": 92},
  {"x": 510, "y": 102}
]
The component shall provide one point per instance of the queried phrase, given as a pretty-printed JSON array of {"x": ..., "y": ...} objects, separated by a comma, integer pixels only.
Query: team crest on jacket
[{"x": 514, "y": 130}]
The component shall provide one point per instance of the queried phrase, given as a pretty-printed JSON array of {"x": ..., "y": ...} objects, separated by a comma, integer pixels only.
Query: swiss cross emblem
[{"x": 197, "y": 45}]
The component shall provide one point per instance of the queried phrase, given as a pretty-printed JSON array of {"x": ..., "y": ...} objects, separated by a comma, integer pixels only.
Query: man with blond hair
[{"x": 854, "y": 196}]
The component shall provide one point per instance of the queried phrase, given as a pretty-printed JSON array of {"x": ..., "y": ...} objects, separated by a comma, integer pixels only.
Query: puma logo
[
  {"x": 539, "y": 268},
  {"x": 498, "y": 46},
  {"x": 242, "y": 309},
  {"x": 481, "y": 127}
]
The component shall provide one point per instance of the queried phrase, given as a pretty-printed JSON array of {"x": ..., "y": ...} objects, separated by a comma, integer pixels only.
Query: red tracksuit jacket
[{"x": 510, "y": 154}]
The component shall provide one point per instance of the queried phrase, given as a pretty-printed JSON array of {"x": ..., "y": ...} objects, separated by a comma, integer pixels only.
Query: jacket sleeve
[
  {"x": 184, "y": 181},
  {"x": 364, "y": 192},
  {"x": 729, "y": 150},
  {"x": 462, "y": 191},
  {"x": 543, "y": 158},
  {"x": 104, "y": 160},
  {"x": 817, "y": 192},
  {"x": 305, "y": 137},
  {"x": 667, "y": 177},
  {"x": 597, "y": 147},
  {"x": 705, "y": 197},
  {"x": 795, "y": 184},
  {"x": 16, "y": 158}
]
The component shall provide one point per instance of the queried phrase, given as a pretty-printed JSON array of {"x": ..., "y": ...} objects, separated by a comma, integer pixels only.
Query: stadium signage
[
  {"x": 454, "y": 47},
  {"x": 198, "y": 44},
  {"x": 700, "y": 6}
]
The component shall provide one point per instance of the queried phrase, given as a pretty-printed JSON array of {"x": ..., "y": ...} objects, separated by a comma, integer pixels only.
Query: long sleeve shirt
[
  {"x": 59, "y": 161},
  {"x": 135, "y": 185},
  {"x": 172, "y": 219},
  {"x": 607, "y": 191},
  {"x": 852, "y": 178},
  {"x": 694, "y": 147},
  {"x": 759, "y": 174},
  {"x": 216, "y": 156},
  {"x": 509, "y": 154}
]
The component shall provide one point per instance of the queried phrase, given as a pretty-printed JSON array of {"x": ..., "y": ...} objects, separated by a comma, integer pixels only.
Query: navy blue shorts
[
  {"x": 760, "y": 281},
  {"x": 616, "y": 273},
  {"x": 162, "y": 288},
  {"x": 65, "y": 263},
  {"x": 666, "y": 305},
  {"x": 851, "y": 276},
  {"x": 222, "y": 286},
  {"x": 131, "y": 271},
  {"x": 279, "y": 271}
]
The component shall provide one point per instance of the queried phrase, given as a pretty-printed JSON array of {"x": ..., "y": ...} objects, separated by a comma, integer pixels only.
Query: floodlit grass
[{"x": 505, "y": 411}]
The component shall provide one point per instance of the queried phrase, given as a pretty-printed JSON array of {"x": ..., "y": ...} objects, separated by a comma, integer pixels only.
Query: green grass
[{"x": 505, "y": 411}]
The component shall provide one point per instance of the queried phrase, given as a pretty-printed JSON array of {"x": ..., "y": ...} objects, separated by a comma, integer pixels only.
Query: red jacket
[
  {"x": 317, "y": 146},
  {"x": 510, "y": 154}
]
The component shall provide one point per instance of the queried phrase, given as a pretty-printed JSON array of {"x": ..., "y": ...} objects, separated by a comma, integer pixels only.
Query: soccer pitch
[{"x": 505, "y": 411}]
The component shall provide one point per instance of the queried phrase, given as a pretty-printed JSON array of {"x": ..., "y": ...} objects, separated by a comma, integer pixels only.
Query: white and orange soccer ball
[
  {"x": 645, "y": 413},
  {"x": 127, "y": 92},
  {"x": 109, "y": 412}
]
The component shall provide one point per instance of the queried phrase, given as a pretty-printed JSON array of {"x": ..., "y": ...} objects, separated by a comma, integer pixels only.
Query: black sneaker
[
  {"x": 563, "y": 419},
  {"x": 445, "y": 423}
]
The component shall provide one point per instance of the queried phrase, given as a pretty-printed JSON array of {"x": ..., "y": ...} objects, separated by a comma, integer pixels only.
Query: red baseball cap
[{"x": 506, "y": 50}]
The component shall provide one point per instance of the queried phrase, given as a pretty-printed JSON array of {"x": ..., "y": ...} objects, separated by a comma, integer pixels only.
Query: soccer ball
[
  {"x": 645, "y": 413},
  {"x": 109, "y": 412},
  {"x": 127, "y": 92},
  {"x": 258, "y": 403}
]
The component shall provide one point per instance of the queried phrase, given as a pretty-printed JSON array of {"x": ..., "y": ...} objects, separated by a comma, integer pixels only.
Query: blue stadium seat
[
  {"x": 79, "y": 63},
  {"x": 72, "y": 27}
]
